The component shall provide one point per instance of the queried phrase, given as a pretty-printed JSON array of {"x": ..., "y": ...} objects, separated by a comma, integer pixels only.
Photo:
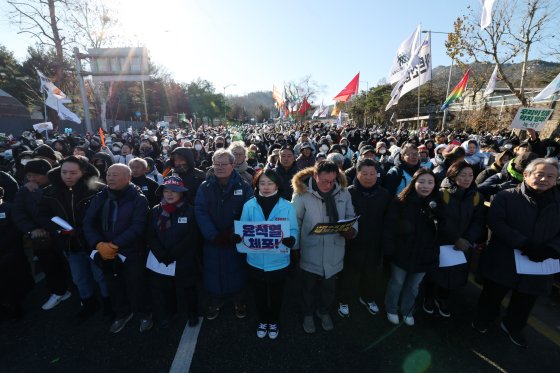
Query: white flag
[
  {"x": 422, "y": 71},
  {"x": 49, "y": 87},
  {"x": 491, "y": 83},
  {"x": 549, "y": 90},
  {"x": 396, "y": 92},
  {"x": 63, "y": 112},
  {"x": 486, "y": 17},
  {"x": 40, "y": 127},
  {"x": 404, "y": 53},
  {"x": 324, "y": 113}
]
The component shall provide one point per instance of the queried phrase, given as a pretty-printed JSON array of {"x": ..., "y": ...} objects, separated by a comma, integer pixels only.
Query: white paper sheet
[
  {"x": 62, "y": 223},
  {"x": 153, "y": 264},
  {"x": 449, "y": 257},
  {"x": 525, "y": 266}
]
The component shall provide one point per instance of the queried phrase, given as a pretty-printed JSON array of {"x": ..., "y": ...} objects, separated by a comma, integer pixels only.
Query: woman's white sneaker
[
  {"x": 273, "y": 331},
  {"x": 409, "y": 320},
  {"x": 393, "y": 318},
  {"x": 262, "y": 330}
]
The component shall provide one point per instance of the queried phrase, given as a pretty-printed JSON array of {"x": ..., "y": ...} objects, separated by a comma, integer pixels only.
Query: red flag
[
  {"x": 349, "y": 90},
  {"x": 304, "y": 107}
]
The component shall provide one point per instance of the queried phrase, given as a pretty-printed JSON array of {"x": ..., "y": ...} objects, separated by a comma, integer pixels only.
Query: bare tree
[
  {"x": 40, "y": 19},
  {"x": 517, "y": 28}
]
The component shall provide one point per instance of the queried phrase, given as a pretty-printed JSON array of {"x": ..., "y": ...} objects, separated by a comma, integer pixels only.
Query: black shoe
[
  {"x": 193, "y": 321},
  {"x": 428, "y": 306},
  {"x": 88, "y": 309},
  {"x": 443, "y": 308},
  {"x": 108, "y": 313},
  {"x": 241, "y": 311},
  {"x": 479, "y": 328},
  {"x": 516, "y": 337}
]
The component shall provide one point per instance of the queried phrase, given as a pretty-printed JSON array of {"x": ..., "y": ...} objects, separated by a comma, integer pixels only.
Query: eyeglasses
[
  {"x": 221, "y": 165},
  {"x": 327, "y": 182}
]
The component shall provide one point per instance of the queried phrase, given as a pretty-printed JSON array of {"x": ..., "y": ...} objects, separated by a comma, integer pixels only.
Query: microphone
[{"x": 432, "y": 204}]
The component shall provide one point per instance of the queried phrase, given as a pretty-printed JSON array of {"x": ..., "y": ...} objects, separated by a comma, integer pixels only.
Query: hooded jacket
[
  {"x": 193, "y": 178},
  {"x": 107, "y": 159},
  {"x": 320, "y": 254}
]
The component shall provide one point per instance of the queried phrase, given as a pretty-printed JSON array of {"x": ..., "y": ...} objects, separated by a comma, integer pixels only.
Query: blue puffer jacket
[
  {"x": 283, "y": 210},
  {"x": 215, "y": 209},
  {"x": 129, "y": 226}
]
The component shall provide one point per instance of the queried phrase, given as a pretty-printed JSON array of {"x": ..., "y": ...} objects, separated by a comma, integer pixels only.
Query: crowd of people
[{"x": 139, "y": 218}]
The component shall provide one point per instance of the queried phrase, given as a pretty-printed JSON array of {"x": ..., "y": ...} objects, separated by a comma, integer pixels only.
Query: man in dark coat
[
  {"x": 73, "y": 185},
  {"x": 25, "y": 216},
  {"x": 364, "y": 254},
  {"x": 219, "y": 201},
  {"x": 10, "y": 186},
  {"x": 526, "y": 218},
  {"x": 182, "y": 163},
  {"x": 286, "y": 169},
  {"x": 115, "y": 225},
  {"x": 138, "y": 169}
]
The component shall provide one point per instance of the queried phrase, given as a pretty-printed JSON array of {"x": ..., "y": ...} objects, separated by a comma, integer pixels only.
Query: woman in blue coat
[{"x": 268, "y": 271}]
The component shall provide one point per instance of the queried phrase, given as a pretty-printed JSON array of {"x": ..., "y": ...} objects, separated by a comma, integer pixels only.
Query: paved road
[{"x": 49, "y": 341}]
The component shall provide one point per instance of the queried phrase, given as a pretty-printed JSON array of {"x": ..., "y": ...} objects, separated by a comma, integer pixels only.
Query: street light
[
  {"x": 450, "y": 70},
  {"x": 225, "y": 107}
]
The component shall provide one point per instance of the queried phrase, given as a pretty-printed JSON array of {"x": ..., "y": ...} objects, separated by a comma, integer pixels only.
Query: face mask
[
  {"x": 219, "y": 145},
  {"x": 198, "y": 147},
  {"x": 382, "y": 151},
  {"x": 324, "y": 148},
  {"x": 116, "y": 150},
  {"x": 181, "y": 168}
]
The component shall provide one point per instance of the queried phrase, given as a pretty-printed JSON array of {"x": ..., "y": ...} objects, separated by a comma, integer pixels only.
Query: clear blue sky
[{"x": 255, "y": 44}]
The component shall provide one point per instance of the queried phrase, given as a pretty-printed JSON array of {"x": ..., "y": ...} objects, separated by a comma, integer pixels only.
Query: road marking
[
  {"x": 535, "y": 323},
  {"x": 185, "y": 350},
  {"x": 495, "y": 365}
]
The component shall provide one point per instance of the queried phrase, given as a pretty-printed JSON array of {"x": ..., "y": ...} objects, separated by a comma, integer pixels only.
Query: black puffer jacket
[
  {"x": 410, "y": 235},
  {"x": 193, "y": 177},
  {"x": 371, "y": 206},
  {"x": 69, "y": 204},
  {"x": 517, "y": 221}
]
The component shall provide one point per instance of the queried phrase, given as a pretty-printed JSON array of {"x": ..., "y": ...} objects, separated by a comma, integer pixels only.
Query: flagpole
[
  {"x": 447, "y": 94},
  {"x": 46, "y": 118},
  {"x": 418, "y": 111}
]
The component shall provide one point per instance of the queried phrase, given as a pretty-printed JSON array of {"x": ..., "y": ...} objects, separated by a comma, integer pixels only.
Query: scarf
[
  {"x": 541, "y": 199},
  {"x": 167, "y": 209},
  {"x": 513, "y": 172},
  {"x": 366, "y": 192},
  {"x": 267, "y": 203},
  {"x": 328, "y": 199}
]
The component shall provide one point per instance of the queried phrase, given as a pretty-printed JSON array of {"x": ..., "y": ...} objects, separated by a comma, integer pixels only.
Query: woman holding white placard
[{"x": 268, "y": 271}]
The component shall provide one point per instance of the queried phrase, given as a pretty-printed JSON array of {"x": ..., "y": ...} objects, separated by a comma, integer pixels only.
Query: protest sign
[
  {"x": 339, "y": 226},
  {"x": 533, "y": 118},
  {"x": 262, "y": 236}
]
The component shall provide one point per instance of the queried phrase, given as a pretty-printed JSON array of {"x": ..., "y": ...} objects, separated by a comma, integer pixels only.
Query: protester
[
  {"x": 534, "y": 229},
  {"x": 268, "y": 271},
  {"x": 363, "y": 258},
  {"x": 72, "y": 186},
  {"x": 219, "y": 201},
  {"x": 399, "y": 176},
  {"x": 138, "y": 169},
  {"x": 172, "y": 240},
  {"x": 286, "y": 169},
  {"x": 115, "y": 226},
  {"x": 320, "y": 196},
  {"x": 410, "y": 242}
]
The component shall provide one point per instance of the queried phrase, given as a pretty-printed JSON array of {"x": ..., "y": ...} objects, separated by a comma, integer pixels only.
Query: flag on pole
[
  {"x": 335, "y": 111},
  {"x": 339, "y": 120},
  {"x": 350, "y": 89},
  {"x": 457, "y": 91},
  {"x": 63, "y": 112},
  {"x": 49, "y": 87},
  {"x": 404, "y": 54},
  {"x": 41, "y": 127},
  {"x": 304, "y": 107},
  {"x": 278, "y": 98},
  {"x": 324, "y": 113},
  {"x": 397, "y": 89},
  {"x": 486, "y": 17},
  {"x": 421, "y": 72},
  {"x": 491, "y": 83},
  {"x": 549, "y": 90}
]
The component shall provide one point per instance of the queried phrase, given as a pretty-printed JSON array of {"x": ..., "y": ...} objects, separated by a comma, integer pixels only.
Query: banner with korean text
[{"x": 262, "y": 236}]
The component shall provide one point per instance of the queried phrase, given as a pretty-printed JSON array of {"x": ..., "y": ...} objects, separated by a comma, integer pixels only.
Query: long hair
[{"x": 410, "y": 187}]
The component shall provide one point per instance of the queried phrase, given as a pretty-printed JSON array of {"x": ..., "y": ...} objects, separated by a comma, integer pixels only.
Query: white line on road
[{"x": 185, "y": 351}]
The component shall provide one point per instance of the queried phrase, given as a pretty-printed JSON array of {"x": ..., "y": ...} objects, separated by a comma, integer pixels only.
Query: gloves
[
  {"x": 545, "y": 253},
  {"x": 462, "y": 245},
  {"x": 349, "y": 234},
  {"x": 107, "y": 250},
  {"x": 38, "y": 233},
  {"x": 235, "y": 238},
  {"x": 289, "y": 241}
]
